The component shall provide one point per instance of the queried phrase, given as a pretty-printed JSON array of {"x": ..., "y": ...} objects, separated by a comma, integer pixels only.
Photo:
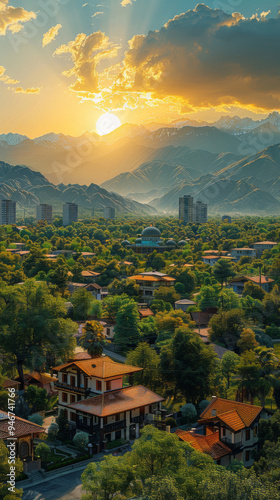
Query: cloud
[
  {"x": 97, "y": 14},
  {"x": 86, "y": 52},
  {"x": 32, "y": 90},
  {"x": 7, "y": 80},
  {"x": 11, "y": 18},
  {"x": 50, "y": 35},
  {"x": 125, "y": 3},
  {"x": 206, "y": 58}
]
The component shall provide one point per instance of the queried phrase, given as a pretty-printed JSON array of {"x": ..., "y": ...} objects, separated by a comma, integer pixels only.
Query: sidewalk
[{"x": 63, "y": 471}]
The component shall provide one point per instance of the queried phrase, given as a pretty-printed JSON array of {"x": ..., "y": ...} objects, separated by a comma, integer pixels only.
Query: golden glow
[{"x": 107, "y": 123}]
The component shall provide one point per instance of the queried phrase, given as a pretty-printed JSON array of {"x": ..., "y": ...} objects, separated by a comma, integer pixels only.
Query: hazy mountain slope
[{"x": 29, "y": 188}]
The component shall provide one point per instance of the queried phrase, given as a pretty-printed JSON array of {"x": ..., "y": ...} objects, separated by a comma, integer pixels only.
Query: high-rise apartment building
[
  {"x": 186, "y": 209},
  {"x": 192, "y": 212},
  {"x": 109, "y": 213},
  {"x": 70, "y": 213},
  {"x": 7, "y": 212},
  {"x": 44, "y": 212},
  {"x": 200, "y": 212}
]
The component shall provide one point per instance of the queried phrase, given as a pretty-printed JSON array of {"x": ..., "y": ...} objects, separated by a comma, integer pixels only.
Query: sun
[{"x": 107, "y": 123}]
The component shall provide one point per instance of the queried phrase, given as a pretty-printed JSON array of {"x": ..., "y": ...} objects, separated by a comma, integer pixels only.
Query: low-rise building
[
  {"x": 92, "y": 395},
  {"x": 237, "y": 283},
  {"x": 151, "y": 281},
  {"x": 184, "y": 304},
  {"x": 260, "y": 246},
  {"x": 237, "y": 253},
  {"x": 89, "y": 276},
  {"x": 230, "y": 431}
]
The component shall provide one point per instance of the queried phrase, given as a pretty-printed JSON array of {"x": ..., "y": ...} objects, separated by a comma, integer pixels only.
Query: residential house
[
  {"x": 11, "y": 384},
  {"x": 237, "y": 283},
  {"x": 24, "y": 433},
  {"x": 184, "y": 304},
  {"x": 260, "y": 246},
  {"x": 42, "y": 380},
  {"x": 211, "y": 259},
  {"x": 237, "y": 253},
  {"x": 151, "y": 281},
  {"x": 93, "y": 396},
  {"x": 230, "y": 431},
  {"x": 89, "y": 276}
]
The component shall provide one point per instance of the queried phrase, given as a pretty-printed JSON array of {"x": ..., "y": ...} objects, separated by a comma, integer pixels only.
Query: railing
[
  {"x": 233, "y": 446},
  {"x": 120, "y": 424},
  {"x": 62, "y": 385},
  {"x": 88, "y": 428},
  {"x": 137, "y": 420}
]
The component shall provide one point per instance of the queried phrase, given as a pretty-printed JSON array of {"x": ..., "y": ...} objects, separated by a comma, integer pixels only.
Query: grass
[{"x": 116, "y": 443}]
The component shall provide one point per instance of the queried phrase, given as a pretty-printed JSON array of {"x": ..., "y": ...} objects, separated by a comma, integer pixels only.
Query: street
[{"x": 67, "y": 487}]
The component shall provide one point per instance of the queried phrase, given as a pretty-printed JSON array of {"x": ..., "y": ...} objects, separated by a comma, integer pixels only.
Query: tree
[
  {"x": 156, "y": 261},
  {"x": 222, "y": 271},
  {"x": 5, "y": 469},
  {"x": 32, "y": 323},
  {"x": 80, "y": 440},
  {"x": 36, "y": 419},
  {"x": 189, "y": 412},
  {"x": 145, "y": 357},
  {"x": 255, "y": 291},
  {"x": 93, "y": 338},
  {"x": 208, "y": 297},
  {"x": 43, "y": 451},
  {"x": 37, "y": 398},
  {"x": 53, "y": 431},
  {"x": 60, "y": 278},
  {"x": 229, "y": 364},
  {"x": 127, "y": 322},
  {"x": 187, "y": 279},
  {"x": 189, "y": 363},
  {"x": 161, "y": 489},
  {"x": 160, "y": 306},
  {"x": 63, "y": 426},
  {"x": 247, "y": 340},
  {"x": 148, "y": 329},
  {"x": 81, "y": 300},
  {"x": 226, "y": 327},
  {"x": 228, "y": 299},
  {"x": 111, "y": 305},
  {"x": 167, "y": 294},
  {"x": 128, "y": 286}
]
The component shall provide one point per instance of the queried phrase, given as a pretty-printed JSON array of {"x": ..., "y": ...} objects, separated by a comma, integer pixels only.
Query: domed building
[
  {"x": 125, "y": 243},
  {"x": 150, "y": 240},
  {"x": 171, "y": 244}
]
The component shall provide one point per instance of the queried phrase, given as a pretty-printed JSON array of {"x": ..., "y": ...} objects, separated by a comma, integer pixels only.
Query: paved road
[{"x": 67, "y": 487}]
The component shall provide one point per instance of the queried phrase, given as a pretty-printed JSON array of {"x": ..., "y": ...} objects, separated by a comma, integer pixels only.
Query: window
[
  {"x": 118, "y": 417},
  {"x": 256, "y": 430},
  {"x": 24, "y": 450},
  {"x": 64, "y": 378},
  {"x": 108, "y": 385},
  {"x": 118, "y": 435},
  {"x": 108, "y": 331},
  {"x": 64, "y": 397},
  {"x": 72, "y": 380},
  {"x": 224, "y": 432},
  {"x": 148, "y": 292},
  {"x": 248, "y": 434},
  {"x": 72, "y": 416},
  {"x": 98, "y": 385},
  {"x": 247, "y": 456},
  {"x": 72, "y": 398}
]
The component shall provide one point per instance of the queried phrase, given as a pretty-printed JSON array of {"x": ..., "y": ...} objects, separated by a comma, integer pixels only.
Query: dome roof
[
  {"x": 125, "y": 243},
  {"x": 182, "y": 242},
  {"x": 171, "y": 243},
  {"x": 151, "y": 231},
  {"x": 138, "y": 241}
]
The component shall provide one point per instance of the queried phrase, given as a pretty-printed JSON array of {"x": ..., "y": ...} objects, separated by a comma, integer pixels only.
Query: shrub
[
  {"x": 188, "y": 411},
  {"x": 43, "y": 451},
  {"x": 80, "y": 440},
  {"x": 171, "y": 421},
  {"x": 53, "y": 431},
  {"x": 36, "y": 419},
  {"x": 203, "y": 405}
]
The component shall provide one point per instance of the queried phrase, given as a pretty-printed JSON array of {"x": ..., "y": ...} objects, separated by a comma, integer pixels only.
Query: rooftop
[
  {"x": 255, "y": 279},
  {"x": 100, "y": 367},
  {"x": 117, "y": 401},
  {"x": 266, "y": 243},
  {"x": 246, "y": 412},
  {"x": 22, "y": 427},
  {"x": 206, "y": 444}
]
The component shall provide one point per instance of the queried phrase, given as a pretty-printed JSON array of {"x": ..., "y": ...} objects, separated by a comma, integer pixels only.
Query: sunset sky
[{"x": 66, "y": 62}]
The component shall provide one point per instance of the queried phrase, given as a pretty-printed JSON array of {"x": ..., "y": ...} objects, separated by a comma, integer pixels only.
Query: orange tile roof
[
  {"x": 87, "y": 274},
  {"x": 10, "y": 383},
  {"x": 255, "y": 279},
  {"x": 118, "y": 401},
  {"x": 100, "y": 367},
  {"x": 233, "y": 420},
  {"x": 266, "y": 243},
  {"x": 145, "y": 313},
  {"x": 22, "y": 427},
  {"x": 151, "y": 278},
  {"x": 247, "y": 413},
  {"x": 210, "y": 444}
]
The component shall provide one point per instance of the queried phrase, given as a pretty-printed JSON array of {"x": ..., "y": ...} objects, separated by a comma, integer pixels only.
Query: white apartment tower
[
  {"x": 109, "y": 213},
  {"x": 7, "y": 212},
  {"x": 70, "y": 213},
  {"x": 44, "y": 213}
]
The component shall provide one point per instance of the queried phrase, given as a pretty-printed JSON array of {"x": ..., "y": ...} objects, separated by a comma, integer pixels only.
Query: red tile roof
[
  {"x": 88, "y": 274},
  {"x": 210, "y": 444},
  {"x": 233, "y": 420},
  {"x": 145, "y": 313},
  {"x": 22, "y": 427},
  {"x": 254, "y": 279},
  {"x": 101, "y": 367},
  {"x": 118, "y": 401},
  {"x": 11, "y": 383},
  {"x": 222, "y": 407}
]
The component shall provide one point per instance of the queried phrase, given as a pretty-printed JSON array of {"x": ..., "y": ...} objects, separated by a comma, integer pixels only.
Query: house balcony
[
  {"x": 91, "y": 429},
  {"x": 68, "y": 387},
  {"x": 234, "y": 446},
  {"x": 115, "y": 426},
  {"x": 138, "y": 420}
]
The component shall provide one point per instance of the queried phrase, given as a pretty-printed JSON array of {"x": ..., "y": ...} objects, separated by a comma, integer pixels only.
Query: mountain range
[{"x": 29, "y": 188}]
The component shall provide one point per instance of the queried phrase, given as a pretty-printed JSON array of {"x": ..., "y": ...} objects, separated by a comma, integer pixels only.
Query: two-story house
[
  {"x": 261, "y": 246},
  {"x": 237, "y": 253},
  {"x": 150, "y": 281},
  {"x": 237, "y": 283},
  {"x": 93, "y": 396},
  {"x": 230, "y": 431}
]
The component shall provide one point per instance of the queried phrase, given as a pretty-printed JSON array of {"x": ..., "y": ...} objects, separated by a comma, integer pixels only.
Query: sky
[{"x": 64, "y": 63}]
